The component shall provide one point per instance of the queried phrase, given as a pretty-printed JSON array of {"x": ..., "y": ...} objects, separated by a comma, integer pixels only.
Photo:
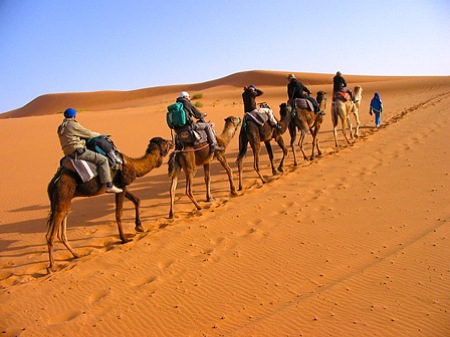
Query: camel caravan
[{"x": 82, "y": 171}]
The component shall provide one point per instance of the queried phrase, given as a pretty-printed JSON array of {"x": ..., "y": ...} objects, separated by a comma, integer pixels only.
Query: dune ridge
[{"x": 57, "y": 102}]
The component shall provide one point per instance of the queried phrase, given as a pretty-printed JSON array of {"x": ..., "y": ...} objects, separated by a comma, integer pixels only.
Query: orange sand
[{"x": 352, "y": 244}]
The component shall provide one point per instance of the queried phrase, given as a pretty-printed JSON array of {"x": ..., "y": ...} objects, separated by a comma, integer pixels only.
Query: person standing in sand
[
  {"x": 73, "y": 136},
  {"x": 376, "y": 107}
]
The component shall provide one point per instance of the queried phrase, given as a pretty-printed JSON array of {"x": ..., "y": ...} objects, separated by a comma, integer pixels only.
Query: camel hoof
[
  {"x": 139, "y": 229},
  {"x": 126, "y": 241},
  {"x": 233, "y": 193}
]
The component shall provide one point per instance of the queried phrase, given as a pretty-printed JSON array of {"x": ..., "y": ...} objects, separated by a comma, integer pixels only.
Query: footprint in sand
[
  {"x": 65, "y": 317},
  {"x": 143, "y": 281},
  {"x": 99, "y": 295}
]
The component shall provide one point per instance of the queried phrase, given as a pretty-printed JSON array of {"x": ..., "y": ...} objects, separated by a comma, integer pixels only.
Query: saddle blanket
[
  {"x": 259, "y": 116},
  {"x": 190, "y": 137},
  {"x": 342, "y": 95},
  {"x": 85, "y": 170},
  {"x": 303, "y": 103}
]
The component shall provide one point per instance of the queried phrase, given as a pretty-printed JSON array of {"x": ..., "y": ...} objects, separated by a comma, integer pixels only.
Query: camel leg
[
  {"x": 189, "y": 183},
  {"x": 350, "y": 128},
  {"x": 223, "y": 161},
  {"x": 293, "y": 133},
  {"x": 280, "y": 143},
  {"x": 57, "y": 220},
  {"x": 271, "y": 157},
  {"x": 256, "y": 148},
  {"x": 119, "y": 211},
  {"x": 239, "y": 165},
  {"x": 300, "y": 144},
  {"x": 173, "y": 188},
  {"x": 137, "y": 210},
  {"x": 207, "y": 176},
  {"x": 358, "y": 122},
  {"x": 62, "y": 236},
  {"x": 315, "y": 143},
  {"x": 243, "y": 143},
  {"x": 334, "y": 119}
]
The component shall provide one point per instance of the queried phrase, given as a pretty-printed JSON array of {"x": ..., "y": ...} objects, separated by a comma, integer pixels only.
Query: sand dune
[{"x": 352, "y": 244}]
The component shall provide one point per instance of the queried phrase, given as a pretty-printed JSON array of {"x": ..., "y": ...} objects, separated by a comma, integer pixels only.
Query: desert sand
[{"x": 355, "y": 243}]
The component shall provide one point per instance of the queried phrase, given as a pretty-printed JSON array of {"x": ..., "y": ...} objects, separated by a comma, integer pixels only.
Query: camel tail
[
  {"x": 243, "y": 142},
  {"x": 174, "y": 165}
]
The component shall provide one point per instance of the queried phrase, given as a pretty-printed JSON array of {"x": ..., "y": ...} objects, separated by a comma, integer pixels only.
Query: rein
[{"x": 192, "y": 150}]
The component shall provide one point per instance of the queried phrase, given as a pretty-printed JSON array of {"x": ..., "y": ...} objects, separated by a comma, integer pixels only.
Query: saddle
[
  {"x": 259, "y": 115},
  {"x": 87, "y": 170},
  {"x": 342, "y": 96},
  {"x": 303, "y": 103},
  {"x": 187, "y": 136}
]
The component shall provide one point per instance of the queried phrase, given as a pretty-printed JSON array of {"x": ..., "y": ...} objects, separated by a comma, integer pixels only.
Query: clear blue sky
[{"x": 52, "y": 46}]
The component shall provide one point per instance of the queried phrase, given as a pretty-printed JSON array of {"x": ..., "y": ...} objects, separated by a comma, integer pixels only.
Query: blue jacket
[{"x": 376, "y": 104}]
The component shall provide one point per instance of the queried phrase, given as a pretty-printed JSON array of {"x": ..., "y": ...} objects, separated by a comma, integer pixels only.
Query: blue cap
[
  {"x": 70, "y": 113},
  {"x": 252, "y": 86}
]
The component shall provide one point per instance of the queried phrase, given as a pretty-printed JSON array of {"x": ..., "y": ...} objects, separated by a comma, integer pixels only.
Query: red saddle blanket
[{"x": 342, "y": 95}]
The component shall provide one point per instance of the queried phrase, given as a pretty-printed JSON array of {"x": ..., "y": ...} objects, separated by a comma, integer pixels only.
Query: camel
[
  {"x": 342, "y": 109},
  {"x": 254, "y": 134},
  {"x": 66, "y": 185},
  {"x": 304, "y": 120},
  {"x": 192, "y": 156}
]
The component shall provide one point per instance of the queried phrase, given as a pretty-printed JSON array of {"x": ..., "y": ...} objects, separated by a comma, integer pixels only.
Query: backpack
[
  {"x": 176, "y": 116},
  {"x": 100, "y": 144}
]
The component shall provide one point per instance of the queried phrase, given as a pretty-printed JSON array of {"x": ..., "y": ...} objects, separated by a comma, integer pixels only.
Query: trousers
[{"x": 101, "y": 162}]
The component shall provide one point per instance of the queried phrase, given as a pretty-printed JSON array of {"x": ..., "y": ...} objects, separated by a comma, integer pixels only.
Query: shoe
[
  {"x": 321, "y": 113},
  {"x": 277, "y": 126},
  {"x": 217, "y": 148},
  {"x": 113, "y": 189}
]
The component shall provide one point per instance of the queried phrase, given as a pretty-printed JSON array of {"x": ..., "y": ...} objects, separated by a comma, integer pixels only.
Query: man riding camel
[
  {"x": 201, "y": 124},
  {"x": 339, "y": 85},
  {"x": 295, "y": 89},
  {"x": 249, "y": 98}
]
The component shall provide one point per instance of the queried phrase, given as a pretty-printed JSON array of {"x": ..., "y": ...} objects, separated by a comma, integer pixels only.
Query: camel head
[
  {"x": 234, "y": 120},
  {"x": 163, "y": 146},
  {"x": 285, "y": 109}
]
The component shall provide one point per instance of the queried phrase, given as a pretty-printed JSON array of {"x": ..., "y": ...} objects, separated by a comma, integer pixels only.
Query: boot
[{"x": 216, "y": 148}]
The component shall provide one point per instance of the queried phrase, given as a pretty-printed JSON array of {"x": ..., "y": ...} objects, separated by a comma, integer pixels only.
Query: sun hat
[
  {"x": 290, "y": 76},
  {"x": 184, "y": 94},
  {"x": 70, "y": 113}
]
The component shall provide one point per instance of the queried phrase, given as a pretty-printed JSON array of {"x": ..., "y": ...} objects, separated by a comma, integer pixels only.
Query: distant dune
[{"x": 56, "y": 103}]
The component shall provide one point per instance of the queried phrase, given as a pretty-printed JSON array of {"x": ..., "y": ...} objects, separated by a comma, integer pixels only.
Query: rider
[
  {"x": 339, "y": 85},
  {"x": 249, "y": 98},
  {"x": 72, "y": 136},
  {"x": 201, "y": 124},
  {"x": 295, "y": 89}
]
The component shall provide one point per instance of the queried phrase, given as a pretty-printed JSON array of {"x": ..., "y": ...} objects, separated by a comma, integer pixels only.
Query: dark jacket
[
  {"x": 338, "y": 83},
  {"x": 191, "y": 110},
  {"x": 248, "y": 97},
  {"x": 295, "y": 89}
]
